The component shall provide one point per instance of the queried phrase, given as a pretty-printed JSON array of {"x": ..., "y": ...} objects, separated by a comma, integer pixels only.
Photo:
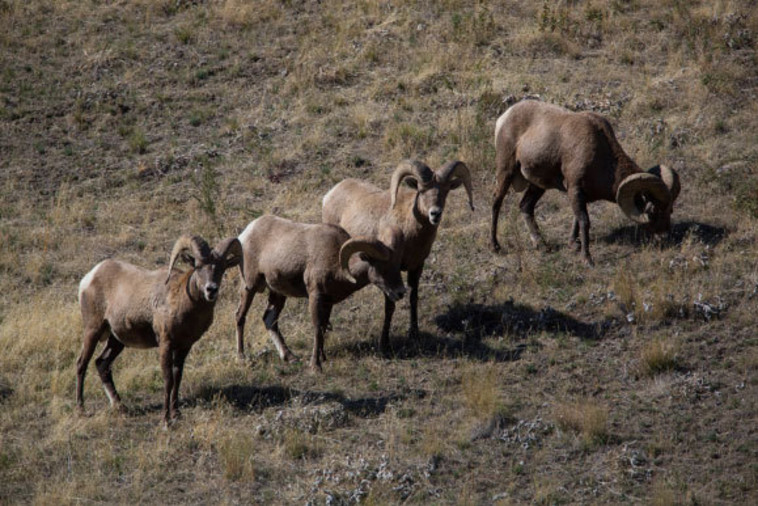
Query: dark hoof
[{"x": 386, "y": 351}]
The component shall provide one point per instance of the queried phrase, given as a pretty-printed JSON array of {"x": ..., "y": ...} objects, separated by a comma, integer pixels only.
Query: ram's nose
[
  {"x": 211, "y": 291},
  {"x": 435, "y": 215}
]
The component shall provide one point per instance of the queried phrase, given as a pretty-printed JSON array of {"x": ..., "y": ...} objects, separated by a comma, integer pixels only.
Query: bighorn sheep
[
  {"x": 541, "y": 146},
  {"x": 363, "y": 209},
  {"x": 320, "y": 262},
  {"x": 133, "y": 307}
]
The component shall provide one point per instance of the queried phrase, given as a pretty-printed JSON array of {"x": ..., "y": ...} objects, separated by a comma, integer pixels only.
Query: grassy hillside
[{"x": 124, "y": 124}]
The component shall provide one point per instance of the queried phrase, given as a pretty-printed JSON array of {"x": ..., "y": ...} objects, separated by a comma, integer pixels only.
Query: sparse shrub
[
  {"x": 408, "y": 139},
  {"x": 553, "y": 18},
  {"x": 185, "y": 34},
  {"x": 433, "y": 442},
  {"x": 658, "y": 356},
  {"x": 235, "y": 454},
  {"x": 244, "y": 14},
  {"x": 477, "y": 27},
  {"x": 206, "y": 192},
  {"x": 296, "y": 445},
  {"x": 481, "y": 393},
  {"x": 585, "y": 417},
  {"x": 196, "y": 118},
  {"x": 626, "y": 289},
  {"x": 38, "y": 269},
  {"x": 138, "y": 141}
]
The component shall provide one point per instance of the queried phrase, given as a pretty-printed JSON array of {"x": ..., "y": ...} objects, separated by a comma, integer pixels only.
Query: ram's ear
[
  {"x": 411, "y": 182},
  {"x": 188, "y": 259},
  {"x": 231, "y": 251}
]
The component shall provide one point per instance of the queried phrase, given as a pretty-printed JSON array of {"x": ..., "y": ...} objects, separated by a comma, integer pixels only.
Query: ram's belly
[
  {"x": 547, "y": 179},
  {"x": 134, "y": 334},
  {"x": 286, "y": 285}
]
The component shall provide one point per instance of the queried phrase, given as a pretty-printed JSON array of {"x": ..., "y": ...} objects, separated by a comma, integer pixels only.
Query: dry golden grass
[
  {"x": 658, "y": 356},
  {"x": 126, "y": 124},
  {"x": 585, "y": 417},
  {"x": 481, "y": 390}
]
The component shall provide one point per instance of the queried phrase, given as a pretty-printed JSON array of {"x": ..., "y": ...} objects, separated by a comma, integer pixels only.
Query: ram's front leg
[
  {"x": 579, "y": 206},
  {"x": 384, "y": 338},
  {"x": 177, "y": 369},
  {"x": 414, "y": 277},
  {"x": 167, "y": 368},
  {"x": 246, "y": 298}
]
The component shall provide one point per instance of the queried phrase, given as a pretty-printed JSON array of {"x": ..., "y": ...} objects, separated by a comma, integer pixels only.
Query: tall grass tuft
[
  {"x": 235, "y": 454},
  {"x": 658, "y": 356},
  {"x": 584, "y": 417},
  {"x": 481, "y": 392}
]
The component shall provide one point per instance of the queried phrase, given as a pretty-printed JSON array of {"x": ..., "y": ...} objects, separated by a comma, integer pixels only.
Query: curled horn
[
  {"x": 193, "y": 246},
  {"x": 230, "y": 250},
  {"x": 457, "y": 169},
  {"x": 409, "y": 168},
  {"x": 670, "y": 178},
  {"x": 631, "y": 187},
  {"x": 372, "y": 247}
]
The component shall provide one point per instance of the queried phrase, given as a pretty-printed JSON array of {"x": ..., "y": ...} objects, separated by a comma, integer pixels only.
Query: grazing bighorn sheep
[
  {"x": 541, "y": 146},
  {"x": 363, "y": 209},
  {"x": 133, "y": 307},
  {"x": 320, "y": 262}
]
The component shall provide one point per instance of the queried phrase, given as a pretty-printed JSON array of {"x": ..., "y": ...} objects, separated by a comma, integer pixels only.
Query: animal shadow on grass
[
  {"x": 5, "y": 391},
  {"x": 479, "y": 321},
  {"x": 257, "y": 399},
  {"x": 430, "y": 346},
  {"x": 709, "y": 235},
  {"x": 476, "y": 322}
]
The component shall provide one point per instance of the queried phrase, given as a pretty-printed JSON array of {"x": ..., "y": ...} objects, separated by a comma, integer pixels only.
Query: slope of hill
[{"x": 125, "y": 124}]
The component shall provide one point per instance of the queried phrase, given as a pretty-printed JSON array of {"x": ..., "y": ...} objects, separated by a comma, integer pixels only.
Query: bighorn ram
[
  {"x": 133, "y": 307},
  {"x": 363, "y": 209},
  {"x": 541, "y": 146},
  {"x": 320, "y": 262}
]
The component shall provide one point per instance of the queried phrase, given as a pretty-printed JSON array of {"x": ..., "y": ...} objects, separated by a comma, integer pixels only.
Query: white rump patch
[
  {"x": 500, "y": 122},
  {"x": 87, "y": 280},
  {"x": 328, "y": 195},
  {"x": 247, "y": 232}
]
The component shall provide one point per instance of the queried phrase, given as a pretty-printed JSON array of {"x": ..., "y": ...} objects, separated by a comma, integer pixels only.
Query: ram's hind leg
[
  {"x": 320, "y": 310},
  {"x": 271, "y": 320},
  {"x": 528, "y": 202},
  {"x": 92, "y": 335},
  {"x": 103, "y": 363},
  {"x": 501, "y": 188}
]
